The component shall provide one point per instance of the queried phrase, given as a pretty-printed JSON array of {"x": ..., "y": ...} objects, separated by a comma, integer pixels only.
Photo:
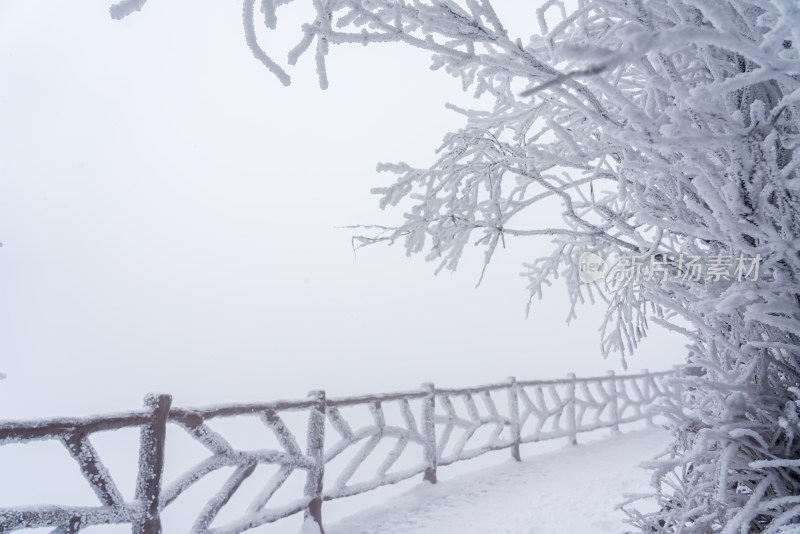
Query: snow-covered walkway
[{"x": 570, "y": 490}]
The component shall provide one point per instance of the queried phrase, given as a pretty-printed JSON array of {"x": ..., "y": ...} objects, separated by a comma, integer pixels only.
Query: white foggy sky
[{"x": 169, "y": 216}]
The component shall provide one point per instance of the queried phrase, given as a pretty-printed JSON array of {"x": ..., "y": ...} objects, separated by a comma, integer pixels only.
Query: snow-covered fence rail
[{"x": 448, "y": 425}]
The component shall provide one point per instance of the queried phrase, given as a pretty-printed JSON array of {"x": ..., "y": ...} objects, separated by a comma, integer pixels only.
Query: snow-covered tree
[{"x": 667, "y": 131}]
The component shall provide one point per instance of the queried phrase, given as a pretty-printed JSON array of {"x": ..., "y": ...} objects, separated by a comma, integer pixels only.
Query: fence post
[
  {"x": 614, "y": 401},
  {"x": 647, "y": 394},
  {"x": 151, "y": 464},
  {"x": 513, "y": 414},
  {"x": 677, "y": 388},
  {"x": 315, "y": 448},
  {"x": 571, "y": 420},
  {"x": 429, "y": 431}
]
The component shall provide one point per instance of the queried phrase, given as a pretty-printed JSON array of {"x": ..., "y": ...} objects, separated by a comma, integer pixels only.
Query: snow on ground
[{"x": 571, "y": 490}]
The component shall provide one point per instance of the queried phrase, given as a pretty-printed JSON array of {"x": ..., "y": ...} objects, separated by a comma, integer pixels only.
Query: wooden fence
[{"x": 504, "y": 415}]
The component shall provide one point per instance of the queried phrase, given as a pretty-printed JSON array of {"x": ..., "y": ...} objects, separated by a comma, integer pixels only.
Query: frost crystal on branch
[{"x": 122, "y": 9}]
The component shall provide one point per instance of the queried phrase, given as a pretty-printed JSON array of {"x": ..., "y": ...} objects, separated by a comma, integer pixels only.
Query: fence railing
[{"x": 452, "y": 425}]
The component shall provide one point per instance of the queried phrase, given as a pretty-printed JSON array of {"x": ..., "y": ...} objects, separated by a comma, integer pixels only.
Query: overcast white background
[{"x": 170, "y": 217}]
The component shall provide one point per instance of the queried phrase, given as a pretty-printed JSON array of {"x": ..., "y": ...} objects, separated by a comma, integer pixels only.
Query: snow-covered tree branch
[{"x": 663, "y": 129}]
